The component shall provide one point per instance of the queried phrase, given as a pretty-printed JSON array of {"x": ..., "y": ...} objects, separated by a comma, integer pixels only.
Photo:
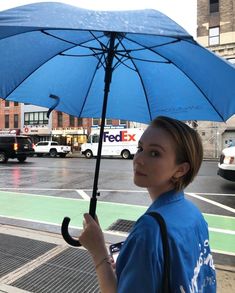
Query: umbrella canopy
[
  {"x": 132, "y": 65},
  {"x": 157, "y": 68}
]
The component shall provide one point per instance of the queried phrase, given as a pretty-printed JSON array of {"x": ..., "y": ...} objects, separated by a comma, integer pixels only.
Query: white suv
[{"x": 227, "y": 164}]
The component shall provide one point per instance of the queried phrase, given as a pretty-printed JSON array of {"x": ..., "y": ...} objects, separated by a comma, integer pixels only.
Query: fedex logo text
[{"x": 122, "y": 136}]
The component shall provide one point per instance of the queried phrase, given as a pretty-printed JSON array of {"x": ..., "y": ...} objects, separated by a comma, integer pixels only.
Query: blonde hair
[{"x": 188, "y": 147}]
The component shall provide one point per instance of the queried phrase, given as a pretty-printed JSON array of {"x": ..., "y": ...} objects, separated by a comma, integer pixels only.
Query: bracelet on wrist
[{"x": 104, "y": 260}]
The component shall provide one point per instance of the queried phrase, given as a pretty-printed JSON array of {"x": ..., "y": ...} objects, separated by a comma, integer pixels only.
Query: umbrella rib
[
  {"x": 69, "y": 42},
  {"x": 58, "y": 38},
  {"x": 83, "y": 55},
  {"x": 119, "y": 62},
  {"x": 140, "y": 59},
  {"x": 88, "y": 90},
  {"x": 101, "y": 63},
  {"x": 66, "y": 41},
  {"x": 93, "y": 49},
  {"x": 170, "y": 61},
  {"x": 141, "y": 80},
  {"x": 151, "y": 47},
  {"x": 46, "y": 32},
  {"x": 102, "y": 45}
]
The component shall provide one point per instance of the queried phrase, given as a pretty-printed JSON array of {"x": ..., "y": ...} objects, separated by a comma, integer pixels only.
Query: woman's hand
[
  {"x": 113, "y": 264},
  {"x": 92, "y": 238}
]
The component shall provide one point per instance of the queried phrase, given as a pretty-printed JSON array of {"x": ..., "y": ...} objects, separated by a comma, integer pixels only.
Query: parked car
[
  {"x": 51, "y": 148},
  {"x": 226, "y": 166},
  {"x": 15, "y": 147}
]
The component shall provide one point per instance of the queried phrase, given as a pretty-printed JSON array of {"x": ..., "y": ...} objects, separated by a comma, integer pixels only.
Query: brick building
[
  {"x": 33, "y": 121},
  {"x": 216, "y": 26},
  {"x": 216, "y": 31},
  {"x": 10, "y": 116}
]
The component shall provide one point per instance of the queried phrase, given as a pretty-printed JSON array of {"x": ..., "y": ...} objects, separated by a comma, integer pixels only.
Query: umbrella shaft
[
  {"x": 108, "y": 78},
  {"x": 108, "y": 70}
]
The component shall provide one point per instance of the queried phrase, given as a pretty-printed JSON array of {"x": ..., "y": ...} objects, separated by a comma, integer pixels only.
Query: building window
[
  {"x": 213, "y": 36},
  {"x": 59, "y": 119},
  {"x": 71, "y": 121},
  {"x": 122, "y": 122},
  {"x": 95, "y": 121},
  {"x": 108, "y": 122},
  {"x": 7, "y": 103},
  {"x": 214, "y": 6},
  {"x": 7, "y": 121},
  {"x": 35, "y": 118},
  {"x": 79, "y": 124},
  {"x": 16, "y": 104},
  {"x": 16, "y": 120}
]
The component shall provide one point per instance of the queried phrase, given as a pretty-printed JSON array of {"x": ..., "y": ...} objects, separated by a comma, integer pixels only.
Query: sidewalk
[
  {"x": 75, "y": 154},
  {"x": 40, "y": 261},
  {"x": 225, "y": 279},
  {"x": 78, "y": 154}
]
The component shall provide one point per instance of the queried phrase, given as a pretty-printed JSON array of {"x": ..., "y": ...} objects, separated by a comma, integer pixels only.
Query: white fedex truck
[{"x": 116, "y": 142}]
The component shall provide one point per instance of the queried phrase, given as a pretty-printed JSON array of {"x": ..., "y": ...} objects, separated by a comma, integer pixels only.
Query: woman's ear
[{"x": 182, "y": 169}]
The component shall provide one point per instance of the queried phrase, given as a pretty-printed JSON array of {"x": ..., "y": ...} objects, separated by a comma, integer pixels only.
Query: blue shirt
[{"x": 139, "y": 266}]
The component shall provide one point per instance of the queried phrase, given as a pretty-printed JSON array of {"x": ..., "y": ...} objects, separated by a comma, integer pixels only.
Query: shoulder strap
[{"x": 166, "y": 251}]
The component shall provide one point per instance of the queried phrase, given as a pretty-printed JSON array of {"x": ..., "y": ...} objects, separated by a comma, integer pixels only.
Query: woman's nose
[{"x": 138, "y": 158}]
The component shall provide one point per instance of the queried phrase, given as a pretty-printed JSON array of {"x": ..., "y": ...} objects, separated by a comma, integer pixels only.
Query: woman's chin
[{"x": 139, "y": 183}]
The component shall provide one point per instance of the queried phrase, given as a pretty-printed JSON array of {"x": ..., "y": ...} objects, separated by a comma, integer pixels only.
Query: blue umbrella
[{"x": 132, "y": 65}]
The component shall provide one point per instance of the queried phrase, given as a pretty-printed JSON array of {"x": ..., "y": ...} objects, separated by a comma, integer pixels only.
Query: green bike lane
[{"x": 52, "y": 210}]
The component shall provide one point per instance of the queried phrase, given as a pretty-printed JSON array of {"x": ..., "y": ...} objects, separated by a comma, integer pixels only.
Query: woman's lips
[{"x": 138, "y": 173}]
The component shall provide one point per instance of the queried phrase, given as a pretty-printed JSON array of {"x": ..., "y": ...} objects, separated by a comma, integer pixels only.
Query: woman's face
[{"x": 154, "y": 162}]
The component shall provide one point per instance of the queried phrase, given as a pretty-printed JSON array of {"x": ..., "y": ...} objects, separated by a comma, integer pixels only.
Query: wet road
[
  {"x": 69, "y": 176},
  {"x": 64, "y": 186}
]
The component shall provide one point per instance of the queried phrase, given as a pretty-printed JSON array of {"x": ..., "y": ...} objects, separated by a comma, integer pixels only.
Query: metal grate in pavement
[
  {"x": 70, "y": 271},
  {"x": 121, "y": 225},
  {"x": 16, "y": 251}
]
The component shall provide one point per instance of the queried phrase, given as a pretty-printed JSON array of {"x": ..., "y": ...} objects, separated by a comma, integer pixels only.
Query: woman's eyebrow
[
  {"x": 157, "y": 145},
  {"x": 153, "y": 145}
]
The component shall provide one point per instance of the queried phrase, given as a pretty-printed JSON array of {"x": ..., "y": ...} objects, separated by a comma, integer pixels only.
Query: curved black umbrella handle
[
  {"x": 65, "y": 233},
  {"x": 65, "y": 225}
]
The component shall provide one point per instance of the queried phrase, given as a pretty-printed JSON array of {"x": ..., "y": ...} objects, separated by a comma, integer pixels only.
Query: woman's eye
[
  {"x": 139, "y": 149},
  {"x": 154, "y": 154}
]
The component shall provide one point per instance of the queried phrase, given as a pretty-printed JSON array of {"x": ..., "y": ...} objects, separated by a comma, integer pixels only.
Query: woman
[{"x": 168, "y": 158}]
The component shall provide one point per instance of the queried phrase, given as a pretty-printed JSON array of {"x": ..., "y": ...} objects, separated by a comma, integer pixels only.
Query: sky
[{"x": 182, "y": 11}]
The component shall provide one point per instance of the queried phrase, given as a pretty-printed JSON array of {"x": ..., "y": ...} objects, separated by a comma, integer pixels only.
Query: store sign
[
  {"x": 69, "y": 132},
  {"x": 36, "y": 130},
  {"x": 74, "y": 132},
  {"x": 10, "y": 131}
]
